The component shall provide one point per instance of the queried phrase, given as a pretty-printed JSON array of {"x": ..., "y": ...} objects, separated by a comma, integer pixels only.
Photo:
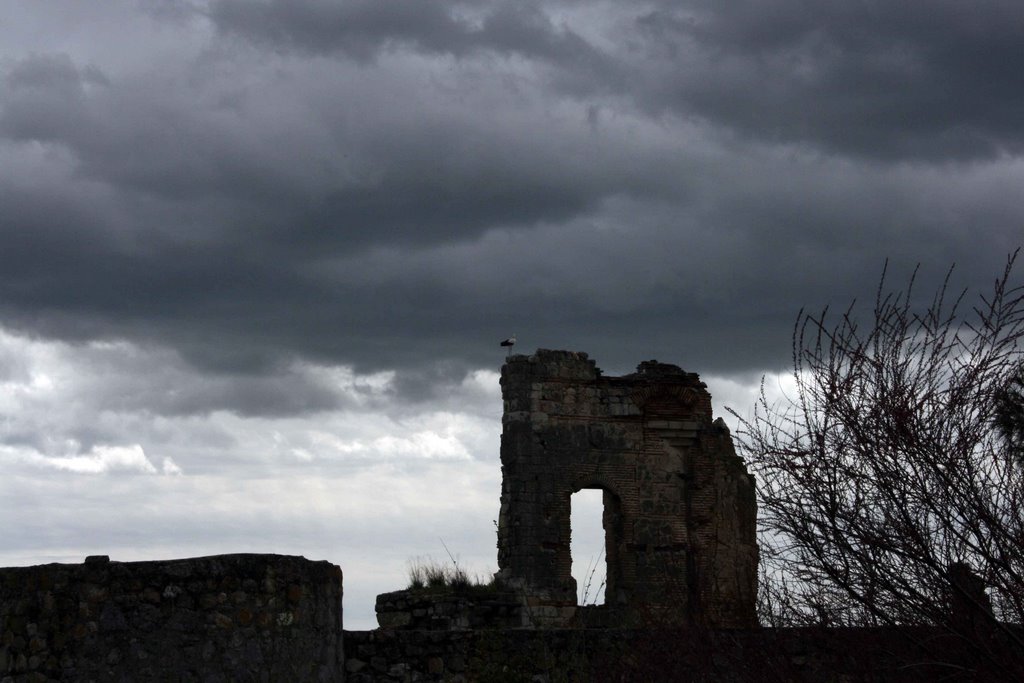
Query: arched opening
[{"x": 588, "y": 546}]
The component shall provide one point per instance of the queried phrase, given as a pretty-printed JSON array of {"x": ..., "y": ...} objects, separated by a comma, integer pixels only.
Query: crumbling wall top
[
  {"x": 574, "y": 365},
  {"x": 653, "y": 370}
]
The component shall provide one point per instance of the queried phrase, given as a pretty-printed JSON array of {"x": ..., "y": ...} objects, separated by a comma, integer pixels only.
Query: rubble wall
[
  {"x": 807, "y": 655},
  {"x": 219, "y": 618},
  {"x": 449, "y": 610}
]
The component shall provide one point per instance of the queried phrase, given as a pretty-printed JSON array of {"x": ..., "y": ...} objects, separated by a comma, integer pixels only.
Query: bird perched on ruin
[{"x": 509, "y": 343}]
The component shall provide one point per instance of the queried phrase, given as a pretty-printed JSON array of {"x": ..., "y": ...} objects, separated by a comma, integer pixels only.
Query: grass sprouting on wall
[{"x": 428, "y": 574}]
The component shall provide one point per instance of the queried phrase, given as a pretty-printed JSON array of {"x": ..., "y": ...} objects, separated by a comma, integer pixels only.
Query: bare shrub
[{"x": 888, "y": 468}]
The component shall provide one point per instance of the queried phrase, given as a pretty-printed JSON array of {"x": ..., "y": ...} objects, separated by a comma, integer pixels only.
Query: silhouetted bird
[{"x": 509, "y": 343}]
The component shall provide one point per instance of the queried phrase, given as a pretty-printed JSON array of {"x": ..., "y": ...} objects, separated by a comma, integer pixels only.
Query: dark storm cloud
[
  {"x": 146, "y": 135},
  {"x": 882, "y": 79},
  {"x": 879, "y": 79},
  {"x": 362, "y": 28},
  {"x": 55, "y": 73},
  {"x": 322, "y": 172},
  {"x": 359, "y": 29},
  {"x": 399, "y": 185}
]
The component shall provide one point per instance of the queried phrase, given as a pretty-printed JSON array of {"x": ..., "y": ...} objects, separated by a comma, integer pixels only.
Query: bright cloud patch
[
  {"x": 99, "y": 460},
  {"x": 356, "y": 475},
  {"x": 106, "y": 459},
  {"x": 170, "y": 467}
]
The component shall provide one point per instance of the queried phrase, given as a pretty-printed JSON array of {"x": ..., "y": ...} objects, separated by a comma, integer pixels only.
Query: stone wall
[
  {"x": 220, "y": 618},
  {"x": 679, "y": 508},
  {"x": 811, "y": 655},
  {"x": 432, "y": 610},
  {"x": 494, "y": 656}
]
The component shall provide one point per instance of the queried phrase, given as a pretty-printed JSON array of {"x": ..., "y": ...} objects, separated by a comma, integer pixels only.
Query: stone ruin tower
[{"x": 679, "y": 509}]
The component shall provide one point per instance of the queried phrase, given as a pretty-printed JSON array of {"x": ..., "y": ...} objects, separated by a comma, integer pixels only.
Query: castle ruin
[
  {"x": 679, "y": 518},
  {"x": 679, "y": 508}
]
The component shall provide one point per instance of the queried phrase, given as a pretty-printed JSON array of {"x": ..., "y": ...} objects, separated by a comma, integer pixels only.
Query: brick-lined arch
[{"x": 612, "y": 524}]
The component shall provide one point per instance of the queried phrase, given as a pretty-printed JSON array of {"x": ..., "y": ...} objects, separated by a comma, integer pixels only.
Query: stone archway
[{"x": 679, "y": 506}]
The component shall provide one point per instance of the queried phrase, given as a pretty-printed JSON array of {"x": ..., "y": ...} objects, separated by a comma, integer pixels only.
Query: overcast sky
[{"x": 256, "y": 255}]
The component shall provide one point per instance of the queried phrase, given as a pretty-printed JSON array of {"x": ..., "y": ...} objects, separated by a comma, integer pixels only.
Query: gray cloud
[
  {"x": 398, "y": 185},
  {"x": 361, "y": 29},
  {"x": 882, "y": 80}
]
